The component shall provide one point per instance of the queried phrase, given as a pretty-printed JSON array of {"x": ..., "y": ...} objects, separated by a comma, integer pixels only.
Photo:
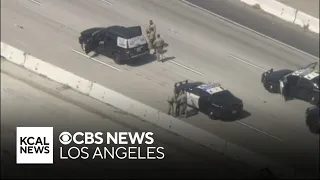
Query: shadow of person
[{"x": 164, "y": 59}]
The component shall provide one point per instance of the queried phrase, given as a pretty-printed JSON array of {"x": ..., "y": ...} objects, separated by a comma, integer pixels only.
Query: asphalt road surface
[
  {"x": 201, "y": 47},
  {"x": 31, "y": 100},
  {"x": 264, "y": 23}
]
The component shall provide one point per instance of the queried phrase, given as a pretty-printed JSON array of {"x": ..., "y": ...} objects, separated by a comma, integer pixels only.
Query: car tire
[
  {"x": 312, "y": 99},
  {"x": 212, "y": 115},
  {"x": 116, "y": 58},
  {"x": 272, "y": 87}
]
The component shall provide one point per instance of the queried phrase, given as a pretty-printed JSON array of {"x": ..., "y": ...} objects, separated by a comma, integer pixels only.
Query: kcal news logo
[
  {"x": 34, "y": 145},
  {"x": 116, "y": 145}
]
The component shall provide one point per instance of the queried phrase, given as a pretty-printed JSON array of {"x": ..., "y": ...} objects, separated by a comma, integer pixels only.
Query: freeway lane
[
  {"x": 263, "y": 23},
  {"x": 41, "y": 102},
  {"x": 197, "y": 40}
]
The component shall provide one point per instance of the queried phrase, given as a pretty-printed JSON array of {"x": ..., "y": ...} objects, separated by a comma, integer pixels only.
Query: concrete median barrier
[
  {"x": 278, "y": 9},
  {"x": 286, "y": 13},
  {"x": 57, "y": 74},
  {"x": 143, "y": 111},
  {"x": 122, "y": 102},
  {"x": 307, "y": 21},
  {"x": 14, "y": 55},
  {"x": 250, "y": 2}
]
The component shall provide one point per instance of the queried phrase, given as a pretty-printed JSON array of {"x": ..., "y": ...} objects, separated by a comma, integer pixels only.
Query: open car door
[
  {"x": 311, "y": 66},
  {"x": 90, "y": 44},
  {"x": 281, "y": 86},
  {"x": 193, "y": 100}
]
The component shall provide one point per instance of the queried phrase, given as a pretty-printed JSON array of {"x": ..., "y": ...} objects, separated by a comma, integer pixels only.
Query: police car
[
  {"x": 120, "y": 43},
  {"x": 211, "y": 99},
  {"x": 300, "y": 84}
]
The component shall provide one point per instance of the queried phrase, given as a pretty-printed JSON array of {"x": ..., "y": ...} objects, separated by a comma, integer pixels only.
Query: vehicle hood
[
  {"x": 90, "y": 31},
  {"x": 277, "y": 75}
]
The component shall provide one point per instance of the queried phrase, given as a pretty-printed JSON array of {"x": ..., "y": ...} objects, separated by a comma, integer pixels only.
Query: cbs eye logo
[{"x": 65, "y": 138}]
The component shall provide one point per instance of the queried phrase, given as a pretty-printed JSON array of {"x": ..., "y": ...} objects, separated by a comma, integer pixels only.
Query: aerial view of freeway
[{"x": 215, "y": 55}]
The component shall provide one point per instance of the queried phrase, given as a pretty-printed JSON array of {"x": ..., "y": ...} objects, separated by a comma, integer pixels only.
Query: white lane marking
[
  {"x": 246, "y": 62},
  {"x": 244, "y": 27},
  {"x": 265, "y": 133},
  {"x": 96, "y": 60},
  {"x": 36, "y": 2},
  {"x": 105, "y": 1},
  {"x": 190, "y": 69}
]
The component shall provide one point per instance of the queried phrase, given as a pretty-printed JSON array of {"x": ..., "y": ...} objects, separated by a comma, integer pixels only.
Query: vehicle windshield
[{"x": 311, "y": 66}]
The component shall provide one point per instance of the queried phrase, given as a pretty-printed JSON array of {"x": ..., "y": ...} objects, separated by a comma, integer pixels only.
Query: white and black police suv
[
  {"x": 120, "y": 43},
  {"x": 301, "y": 84},
  {"x": 211, "y": 99}
]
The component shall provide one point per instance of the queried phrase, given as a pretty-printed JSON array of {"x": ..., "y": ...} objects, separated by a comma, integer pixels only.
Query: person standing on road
[
  {"x": 159, "y": 45},
  {"x": 172, "y": 105},
  {"x": 153, "y": 26},
  {"x": 182, "y": 99},
  {"x": 151, "y": 37}
]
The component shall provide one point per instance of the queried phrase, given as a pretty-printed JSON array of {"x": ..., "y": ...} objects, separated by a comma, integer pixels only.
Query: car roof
[
  {"x": 123, "y": 32},
  {"x": 211, "y": 88}
]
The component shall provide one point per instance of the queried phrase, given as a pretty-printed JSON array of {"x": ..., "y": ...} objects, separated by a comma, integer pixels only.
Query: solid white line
[
  {"x": 244, "y": 27},
  {"x": 36, "y": 2},
  {"x": 246, "y": 62},
  {"x": 96, "y": 60},
  {"x": 244, "y": 124},
  {"x": 107, "y": 2},
  {"x": 190, "y": 69}
]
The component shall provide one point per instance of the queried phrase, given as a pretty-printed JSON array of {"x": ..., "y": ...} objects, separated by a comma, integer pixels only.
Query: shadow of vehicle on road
[
  {"x": 167, "y": 59},
  {"x": 244, "y": 115},
  {"x": 313, "y": 119},
  {"x": 149, "y": 58}
]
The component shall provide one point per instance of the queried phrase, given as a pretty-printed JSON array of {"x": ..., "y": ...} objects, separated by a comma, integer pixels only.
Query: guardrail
[
  {"x": 141, "y": 110},
  {"x": 286, "y": 13}
]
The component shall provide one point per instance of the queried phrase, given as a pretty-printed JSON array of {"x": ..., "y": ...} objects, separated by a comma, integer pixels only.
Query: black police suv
[
  {"x": 313, "y": 119},
  {"x": 301, "y": 84},
  {"x": 211, "y": 99},
  {"x": 120, "y": 43}
]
